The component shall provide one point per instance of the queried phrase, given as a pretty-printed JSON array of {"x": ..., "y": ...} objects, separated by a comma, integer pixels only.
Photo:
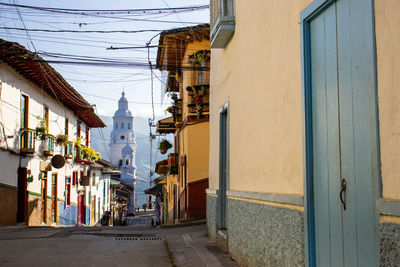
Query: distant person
[{"x": 144, "y": 207}]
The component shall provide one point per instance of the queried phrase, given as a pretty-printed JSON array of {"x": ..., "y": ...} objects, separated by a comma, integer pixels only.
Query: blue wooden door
[{"x": 344, "y": 134}]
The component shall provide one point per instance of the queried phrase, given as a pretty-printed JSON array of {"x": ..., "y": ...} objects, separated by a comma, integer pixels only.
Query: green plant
[
  {"x": 89, "y": 153},
  {"x": 77, "y": 142},
  {"x": 169, "y": 109},
  {"x": 189, "y": 89},
  {"x": 61, "y": 140},
  {"x": 199, "y": 57},
  {"x": 42, "y": 129},
  {"x": 164, "y": 146},
  {"x": 174, "y": 96}
]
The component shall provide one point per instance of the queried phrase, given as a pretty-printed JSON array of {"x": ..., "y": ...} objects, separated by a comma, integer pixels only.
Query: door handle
[{"x": 343, "y": 189}]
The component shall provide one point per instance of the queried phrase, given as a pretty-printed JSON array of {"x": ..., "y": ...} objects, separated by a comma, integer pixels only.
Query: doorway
[
  {"x": 22, "y": 212},
  {"x": 223, "y": 168},
  {"x": 54, "y": 202},
  {"x": 81, "y": 208},
  {"x": 44, "y": 197},
  {"x": 341, "y": 133}
]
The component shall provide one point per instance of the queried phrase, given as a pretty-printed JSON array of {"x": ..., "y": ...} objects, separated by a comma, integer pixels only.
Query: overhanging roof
[
  {"x": 162, "y": 167},
  {"x": 173, "y": 43},
  {"x": 166, "y": 125},
  {"x": 35, "y": 69},
  {"x": 155, "y": 190}
]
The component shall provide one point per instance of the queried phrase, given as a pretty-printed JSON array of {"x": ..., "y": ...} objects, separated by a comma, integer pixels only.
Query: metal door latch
[{"x": 343, "y": 189}]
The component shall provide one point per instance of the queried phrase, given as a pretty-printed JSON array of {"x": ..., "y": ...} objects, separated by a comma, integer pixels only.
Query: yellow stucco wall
[
  {"x": 259, "y": 73},
  {"x": 387, "y": 23},
  {"x": 197, "y": 151},
  {"x": 194, "y": 138}
]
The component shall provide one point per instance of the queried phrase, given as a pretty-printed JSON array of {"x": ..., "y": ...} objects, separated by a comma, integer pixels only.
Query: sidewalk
[{"x": 190, "y": 246}]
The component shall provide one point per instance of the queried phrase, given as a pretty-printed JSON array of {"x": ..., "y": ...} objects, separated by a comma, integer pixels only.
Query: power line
[
  {"x": 114, "y": 99},
  {"x": 74, "y": 31},
  {"x": 110, "y": 11}
]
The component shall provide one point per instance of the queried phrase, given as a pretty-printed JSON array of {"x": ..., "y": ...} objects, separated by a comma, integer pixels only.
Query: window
[
  {"x": 116, "y": 125},
  {"x": 120, "y": 163},
  {"x": 122, "y": 125},
  {"x": 74, "y": 178},
  {"x": 87, "y": 136},
  {"x": 78, "y": 130},
  {"x": 81, "y": 175},
  {"x": 24, "y": 111},
  {"x": 67, "y": 191},
  {"x": 222, "y": 22},
  {"x": 122, "y": 137},
  {"x": 46, "y": 115},
  {"x": 129, "y": 125},
  {"x": 94, "y": 179},
  {"x": 127, "y": 162},
  {"x": 66, "y": 130}
]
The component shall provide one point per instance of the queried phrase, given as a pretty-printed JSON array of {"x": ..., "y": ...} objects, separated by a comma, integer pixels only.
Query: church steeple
[
  {"x": 122, "y": 146},
  {"x": 123, "y": 110}
]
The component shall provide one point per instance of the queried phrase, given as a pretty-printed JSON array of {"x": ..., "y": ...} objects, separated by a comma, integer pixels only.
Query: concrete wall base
[
  {"x": 8, "y": 205},
  {"x": 389, "y": 235},
  {"x": 259, "y": 234}
]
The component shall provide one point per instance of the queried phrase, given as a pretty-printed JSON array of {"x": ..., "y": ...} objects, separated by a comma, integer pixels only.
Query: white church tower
[{"x": 122, "y": 147}]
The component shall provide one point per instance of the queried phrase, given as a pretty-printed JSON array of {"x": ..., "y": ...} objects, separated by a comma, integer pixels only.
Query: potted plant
[
  {"x": 189, "y": 89},
  {"x": 174, "y": 96},
  {"x": 61, "y": 140},
  {"x": 164, "y": 146},
  {"x": 170, "y": 109},
  {"x": 41, "y": 130}
]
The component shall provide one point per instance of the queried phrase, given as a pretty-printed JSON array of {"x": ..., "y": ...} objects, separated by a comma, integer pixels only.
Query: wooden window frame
[{"x": 67, "y": 191}]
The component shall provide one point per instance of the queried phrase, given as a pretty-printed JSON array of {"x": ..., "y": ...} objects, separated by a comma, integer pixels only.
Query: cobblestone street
[
  {"x": 138, "y": 244},
  {"x": 141, "y": 218}
]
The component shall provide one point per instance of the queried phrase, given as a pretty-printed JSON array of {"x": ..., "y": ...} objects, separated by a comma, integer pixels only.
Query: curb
[{"x": 183, "y": 224}]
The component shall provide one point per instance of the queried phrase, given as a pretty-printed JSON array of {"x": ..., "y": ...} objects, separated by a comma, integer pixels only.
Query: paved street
[{"x": 136, "y": 245}]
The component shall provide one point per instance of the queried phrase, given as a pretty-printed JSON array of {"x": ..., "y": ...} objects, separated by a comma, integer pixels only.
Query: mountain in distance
[{"x": 100, "y": 140}]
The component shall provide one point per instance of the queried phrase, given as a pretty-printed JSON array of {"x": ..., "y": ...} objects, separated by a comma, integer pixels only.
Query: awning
[{"x": 155, "y": 190}]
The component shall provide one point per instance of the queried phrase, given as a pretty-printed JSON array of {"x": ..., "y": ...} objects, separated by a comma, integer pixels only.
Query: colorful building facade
[
  {"x": 184, "y": 54},
  {"x": 303, "y": 123},
  {"x": 45, "y": 143}
]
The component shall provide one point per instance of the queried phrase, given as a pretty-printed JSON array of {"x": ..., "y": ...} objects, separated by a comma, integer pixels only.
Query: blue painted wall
[
  {"x": 67, "y": 215},
  {"x": 87, "y": 213}
]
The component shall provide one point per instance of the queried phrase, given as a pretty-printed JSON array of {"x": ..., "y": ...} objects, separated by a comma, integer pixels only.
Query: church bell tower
[{"x": 123, "y": 145}]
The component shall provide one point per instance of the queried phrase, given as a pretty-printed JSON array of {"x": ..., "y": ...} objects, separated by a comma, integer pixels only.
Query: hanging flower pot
[{"x": 164, "y": 146}]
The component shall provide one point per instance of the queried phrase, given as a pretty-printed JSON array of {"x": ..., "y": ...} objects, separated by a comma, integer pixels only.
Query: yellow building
[
  {"x": 185, "y": 54},
  {"x": 304, "y": 123}
]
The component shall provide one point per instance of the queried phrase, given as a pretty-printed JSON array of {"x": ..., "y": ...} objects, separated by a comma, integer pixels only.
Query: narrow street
[{"x": 137, "y": 244}]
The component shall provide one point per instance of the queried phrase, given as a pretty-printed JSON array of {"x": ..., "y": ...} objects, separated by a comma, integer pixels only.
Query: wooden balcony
[
  {"x": 27, "y": 141},
  {"x": 173, "y": 163},
  {"x": 49, "y": 144},
  {"x": 166, "y": 126}
]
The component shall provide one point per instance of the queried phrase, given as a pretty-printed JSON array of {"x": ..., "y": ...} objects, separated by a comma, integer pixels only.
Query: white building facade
[
  {"x": 122, "y": 147},
  {"x": 32, "y": 190}
]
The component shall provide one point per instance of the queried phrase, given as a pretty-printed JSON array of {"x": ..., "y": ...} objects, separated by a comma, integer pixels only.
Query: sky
[{"x": 98, "y": 84}]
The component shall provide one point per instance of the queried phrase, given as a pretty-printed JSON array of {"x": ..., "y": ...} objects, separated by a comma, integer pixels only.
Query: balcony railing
[
  {"x": 69, "y": 150},
  {"x": 198, "y": 99},
  {"x": 222, "y": 22},
  {"x": 27, "y": 141},
  {"x": 173, "y": 163},
  {"x": 49, "y": 143}
]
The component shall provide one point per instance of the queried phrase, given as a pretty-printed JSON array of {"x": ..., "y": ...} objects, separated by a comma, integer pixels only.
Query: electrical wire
[{"x": 74, "y": 31}]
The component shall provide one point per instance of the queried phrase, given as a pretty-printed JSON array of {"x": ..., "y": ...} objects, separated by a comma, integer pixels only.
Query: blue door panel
[{"x": 344, "y": 133}]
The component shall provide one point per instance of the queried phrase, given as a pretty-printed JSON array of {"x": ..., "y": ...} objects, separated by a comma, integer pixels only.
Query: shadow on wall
[{"x": 34, "y": 211}]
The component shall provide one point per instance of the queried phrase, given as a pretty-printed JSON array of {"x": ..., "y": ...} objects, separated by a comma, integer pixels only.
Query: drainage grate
[{"x": 137, "y": 238}]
